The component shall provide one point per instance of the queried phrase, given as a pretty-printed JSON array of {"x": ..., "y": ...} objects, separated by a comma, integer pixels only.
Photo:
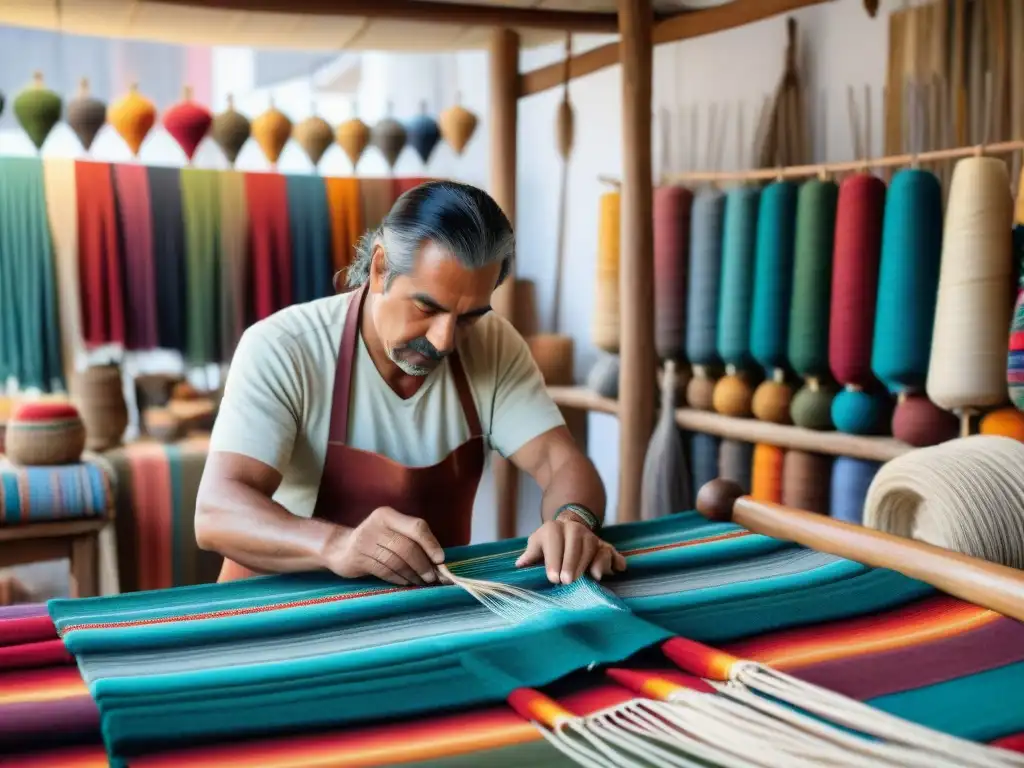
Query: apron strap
[
  {"x": 343, "y": 371},
  {"x": 465, "y": 396}
]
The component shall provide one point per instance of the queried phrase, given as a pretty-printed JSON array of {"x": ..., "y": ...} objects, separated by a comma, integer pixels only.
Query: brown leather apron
[{"x": 356, "y": 482}]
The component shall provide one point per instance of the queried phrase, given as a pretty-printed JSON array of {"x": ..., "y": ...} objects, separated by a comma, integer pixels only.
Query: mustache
[{"x": 422, "y": 346}]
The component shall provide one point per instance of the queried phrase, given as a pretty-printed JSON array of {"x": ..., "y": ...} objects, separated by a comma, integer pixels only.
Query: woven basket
[
  {"x": 45, "y": 433},
  {"x": 99, "y": 394}
]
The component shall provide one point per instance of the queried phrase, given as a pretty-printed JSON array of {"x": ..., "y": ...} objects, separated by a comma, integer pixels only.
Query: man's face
[{"x": 419, "y": 316}]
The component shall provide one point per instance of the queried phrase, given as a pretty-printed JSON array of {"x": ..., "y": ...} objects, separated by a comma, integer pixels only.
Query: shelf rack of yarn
[
  {"x": 773, "y": 287},
  {"x": 860, "y": 407},
  {"x": 974, "y": 304},
  {"x": 733, "y": 393},
  {"x": 704, "y": 273},
  {"x": 908, "y": 281}
]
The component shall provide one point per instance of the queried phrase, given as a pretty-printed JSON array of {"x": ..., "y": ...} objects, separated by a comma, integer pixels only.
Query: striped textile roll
[
  {"x": 131, "y": 183},
  {"x": 851, "y": 479},
  {"x": 604, "y": 328},
  {"x": 309, "y": 219},
  {"x": 671, "y": 258},
  {"x": 45, "y": 494},
  {"x": 200, "y": 194}
]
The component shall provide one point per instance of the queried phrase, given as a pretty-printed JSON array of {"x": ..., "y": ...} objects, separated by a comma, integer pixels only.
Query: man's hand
[
  {"x": 568, "y": 548},
  {"x": 389, "y": 545}
]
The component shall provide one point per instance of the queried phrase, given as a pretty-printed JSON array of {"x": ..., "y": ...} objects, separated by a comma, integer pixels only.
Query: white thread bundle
[
  {"x": 966, "y": 495},
  {"x": 967, "y": 367},
  {"x": 512, "y": 603}
]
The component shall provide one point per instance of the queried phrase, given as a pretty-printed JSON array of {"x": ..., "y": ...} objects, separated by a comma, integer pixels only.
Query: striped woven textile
[
  {"x": 47, "y": 494},
  {"x": 868, "y": 633}
]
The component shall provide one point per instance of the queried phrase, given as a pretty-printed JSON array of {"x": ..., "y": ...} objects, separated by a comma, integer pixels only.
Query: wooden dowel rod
[{"x": 989, "y": 585}]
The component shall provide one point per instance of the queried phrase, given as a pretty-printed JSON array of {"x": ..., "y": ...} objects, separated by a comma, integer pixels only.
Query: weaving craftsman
[{"x": 353, "y": 429}]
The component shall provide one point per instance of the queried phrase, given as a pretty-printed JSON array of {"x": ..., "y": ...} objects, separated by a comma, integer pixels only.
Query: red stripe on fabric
[
  {"x": 27, "y": 629},
  {"x": 1014, "y": 743},
  {"x": 45, "y": 653}
]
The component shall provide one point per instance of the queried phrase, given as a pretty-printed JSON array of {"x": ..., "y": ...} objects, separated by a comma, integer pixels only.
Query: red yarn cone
[{"x": 188, "y": 123}]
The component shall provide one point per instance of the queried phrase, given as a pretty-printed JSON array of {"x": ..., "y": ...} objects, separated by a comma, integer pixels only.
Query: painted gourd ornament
[
  {"x": 86, "y": 115},
  {"x": 457, "y": 126},
  {"x": 423, "y": 134},
  {"x": 353, "y": 136},
  {"x": 315, "y": 136},
  {"x": 133, "y": 117},
  {"x": 230, "y": 130},
  {"x": 188, "y": 122},
  {"x": 272, "y": 130},
  {"x": 389, "y": 137},
  {"x": 37, "y": 110}
]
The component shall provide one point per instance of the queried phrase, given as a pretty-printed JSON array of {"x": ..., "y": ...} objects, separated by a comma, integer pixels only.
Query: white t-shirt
[{"x": 277, "y": 399}]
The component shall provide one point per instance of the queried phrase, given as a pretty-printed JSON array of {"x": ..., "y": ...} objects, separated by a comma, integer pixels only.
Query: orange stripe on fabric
[
  {"x": 41, "y": 685},
  {"x": 683, "y": 544}
]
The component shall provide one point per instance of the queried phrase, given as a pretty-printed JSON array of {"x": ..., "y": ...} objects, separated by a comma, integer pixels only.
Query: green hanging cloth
[
  {"x": 30, "y": 344},
  {"x": 200, "y": 198}
]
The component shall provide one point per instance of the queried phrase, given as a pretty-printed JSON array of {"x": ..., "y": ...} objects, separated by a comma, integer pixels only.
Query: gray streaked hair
[{"x": 458, "y": 218}]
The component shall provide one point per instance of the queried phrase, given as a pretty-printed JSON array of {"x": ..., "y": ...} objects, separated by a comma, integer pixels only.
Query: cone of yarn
[
  {"x": 99, "y": 395},
  {"x": 703, "y": 289},
  {"x": 806, "y": 481},
  {"x": 811, "y": 406},
  {"x": 553, "y": 354},
  {"x": 272, "y": 129},
  {"x": 967, "y": 366},
  {"x": 665, "y": 484},
  {"x": 133, "y": 117},
  {"x": 315, "y": 136},
  {"x": 37, "y": 110},
  {"x": 851, "y": 479},
  {"x": 773, "y": 286},
  {"x": 423, "y": 134},
  {"x": 44, "y": 433},
  {"x": 605, "y": 324},
  {"x": 700, "y": 391},
  {"x": 812, "y": 287},
  {"x": 963, "y": 495},
  {"x": 861, "y": 412},
  {"x": 230, "y": 129},
  {"x": 603, "y": 378},
  {"x": 457, "y": 126},
  {"x": 86, "y": 115},
  {"x": 919, "y": 422},
  {"x": 1007, "y": 422},
  {"x": 736, "y": 461},
  {"x": 671, "y": 257},
  {"x": 389, "y": 137},
  {"x": 188, "y": 122},
  {"x": 766, "y": 476}
]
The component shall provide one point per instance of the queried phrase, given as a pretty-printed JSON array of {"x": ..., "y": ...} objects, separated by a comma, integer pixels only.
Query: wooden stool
[{"x": 89, "y": 545}]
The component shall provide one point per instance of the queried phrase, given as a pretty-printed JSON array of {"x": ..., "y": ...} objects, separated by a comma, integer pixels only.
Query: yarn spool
[
  {"x": 133, "y": 117},
  {"x": 86, "y": 115},
  {"x": 732, "y": 394},
  {"x": 736, "y": 462},
  {"x": 858, "y": 408},
  {"x": 457, "y": 126},
  {"x": 605, "y": 323},
  {"x": 553, "y": 354},
  {"x": 603, "y": 378},
  {"x": 704, "y": 450},
  {"x": 353, "y": 136},
  {"x": 37, "y": 110},
  {"x": 809, "y": 310},
  {"x": 98, "y": 393},
  {"x": 671, "y": 255},
  {"x": 389, "y": 137},
  {"x": 704, "y": 275},
  {"x": 423, "y": 134},
  {"x": 272, "y": 129},
  {"x": 963, "y": 495},
  {"x": 967, "y": 366},
  {"x": 665, "y": 483},
  {"x": 1005, "y": 422},
  {"x": 919, "y": 422},
  {"x": 773, "y": 286},
  {"x": 806, "y": 481},
  {"x": 851, "y": 479},
  {"x": 315, "y": 136},
  {"x": 188, "y": 122},
  {"x": 230, "y": 130},
  {"x": 766, "y": 477},
  {"x": 45, "y": 433}
]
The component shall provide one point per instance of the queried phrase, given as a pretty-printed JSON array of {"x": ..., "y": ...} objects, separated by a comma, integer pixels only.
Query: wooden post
[
  {"x": 637, "y": 384},
  {"x": 504, "y": 89}
]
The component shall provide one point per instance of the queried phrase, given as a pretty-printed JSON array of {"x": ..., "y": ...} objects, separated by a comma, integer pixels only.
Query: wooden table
[{"x": 88, "y": 545}]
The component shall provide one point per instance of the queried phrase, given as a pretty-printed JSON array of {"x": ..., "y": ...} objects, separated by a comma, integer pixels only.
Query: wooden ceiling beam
[
  {"x": 682, "y": 26},
  {"x": 465, "y": 14}
]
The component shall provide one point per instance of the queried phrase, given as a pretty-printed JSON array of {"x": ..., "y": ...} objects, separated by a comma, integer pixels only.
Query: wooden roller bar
[{"x": 989, "y": 585}]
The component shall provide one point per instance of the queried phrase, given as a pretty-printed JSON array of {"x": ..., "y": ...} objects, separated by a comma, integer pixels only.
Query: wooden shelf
[{"x": 750, "y": 430}]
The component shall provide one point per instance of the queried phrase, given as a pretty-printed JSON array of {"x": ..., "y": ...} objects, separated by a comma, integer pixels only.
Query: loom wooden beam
[
  {"x": 636, "y": 274},
  {"x": 467, "y": 14},
  {"x": 682, "y": 26},
  {"x": 992, "y": 586},
  {"x": 504, "y": 74}
]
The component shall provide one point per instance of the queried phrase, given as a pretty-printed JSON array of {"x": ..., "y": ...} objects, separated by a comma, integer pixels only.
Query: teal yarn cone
[
  {"x": 857, "y": 412},
  {"x": 739, "y": 249},
  {"x": 706, "y": 219}
]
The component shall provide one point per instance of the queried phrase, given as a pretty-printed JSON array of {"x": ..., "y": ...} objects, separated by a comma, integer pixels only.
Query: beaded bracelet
[{"x": 587, "y": 517}]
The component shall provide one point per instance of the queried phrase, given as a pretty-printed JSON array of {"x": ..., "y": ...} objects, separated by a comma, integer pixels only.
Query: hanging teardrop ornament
[
  {"x": 133, "y": 117},
  {"x": 188, "y": 122},
  {"x": 37, "y": 110},
  {"x": 86, "y": 115},
  {"x": 315, "y": 136},
  {"x": 230, "y": 129},
  {"x": 423, "y": 134},
  {"x": 565, "y": 128},
  {"x": 353, "y": 136},
  {"x": 457, "y": 125},
  {"x": 2, "y": 102},
  {"x": 388, "y": 136},
  {"x": 272, "y": 130}
]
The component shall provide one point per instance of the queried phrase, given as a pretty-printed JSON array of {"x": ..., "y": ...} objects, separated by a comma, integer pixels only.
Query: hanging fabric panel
[
  {"x": 346, "y": 212},
  {"x": 135, "y": 215},
  {"x": 168, "y": 256},
  {"x": 200, "y": 196},
  {"x": 270, "y": 247},
  {"x": 62, "y": 211},
  {"x": 234, "y": 245},
  {"x": 102, "y": 291},
  {"x": 378, "y": 196},
  {"x": 30, "y": 347},
  {"x": 311, "y": 238}
]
